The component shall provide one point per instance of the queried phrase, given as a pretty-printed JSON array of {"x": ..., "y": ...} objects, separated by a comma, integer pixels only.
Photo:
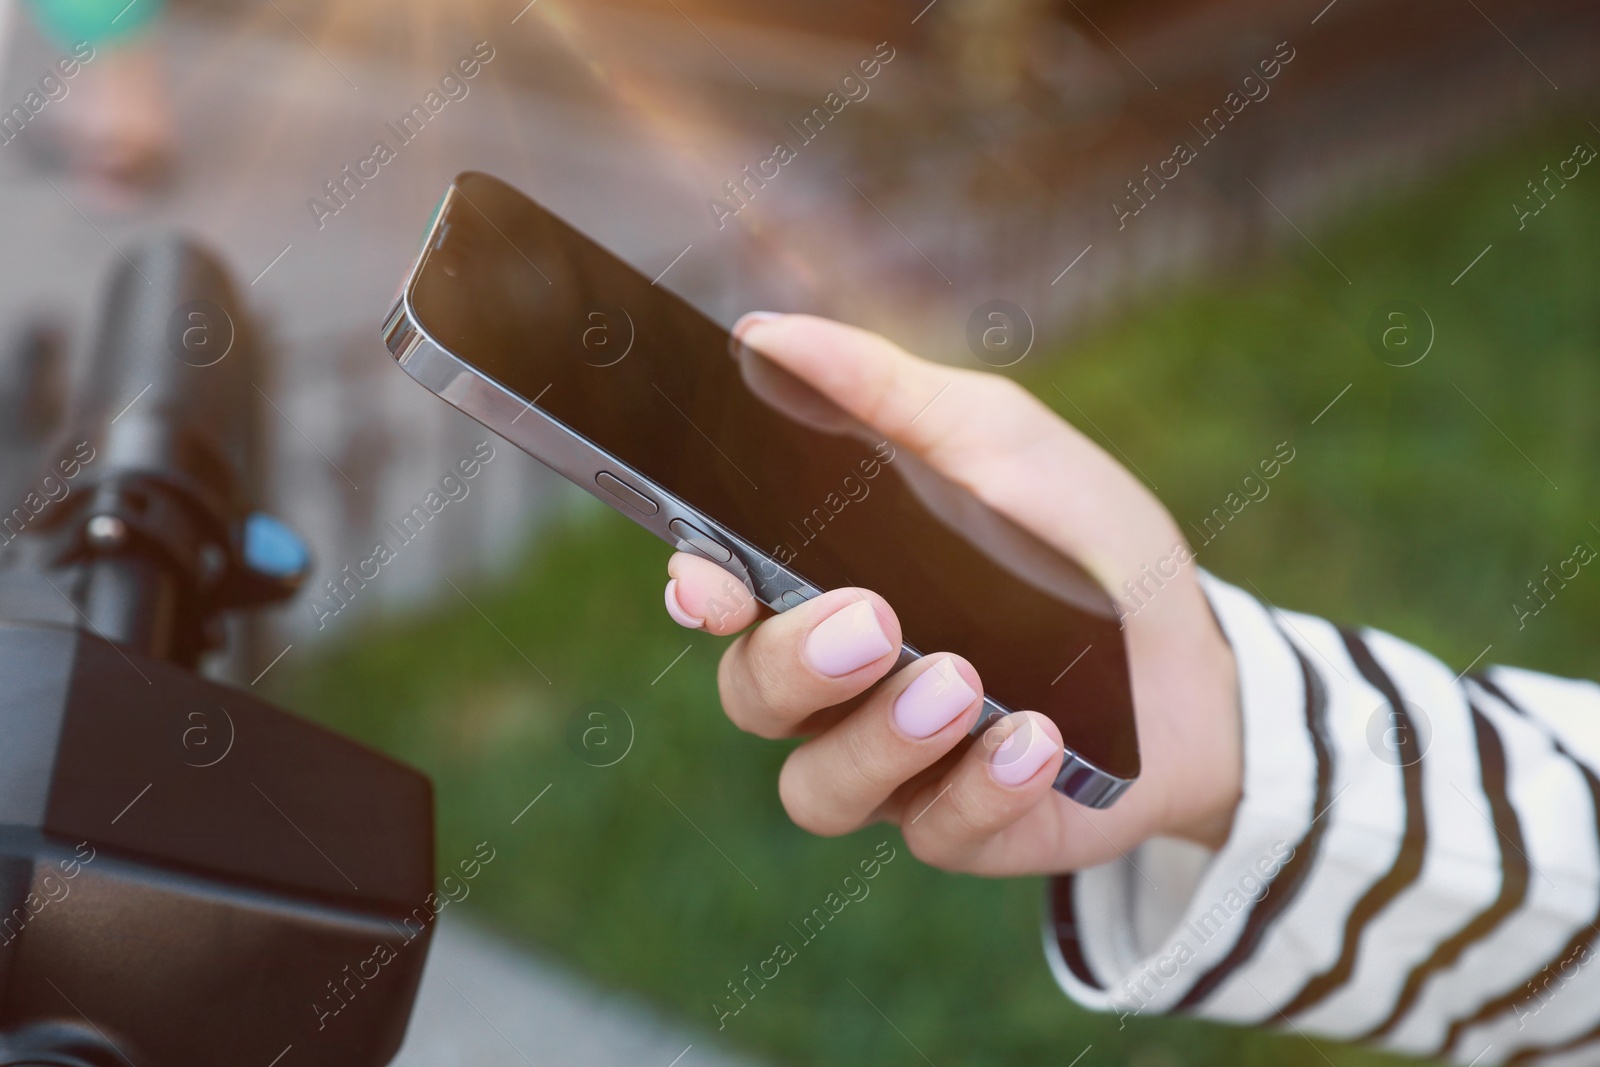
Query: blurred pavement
[{"x": 485, "y": 1004}]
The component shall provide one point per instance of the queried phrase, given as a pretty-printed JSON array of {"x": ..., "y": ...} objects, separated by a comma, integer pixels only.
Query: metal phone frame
[{"x": 581, "y": 461}]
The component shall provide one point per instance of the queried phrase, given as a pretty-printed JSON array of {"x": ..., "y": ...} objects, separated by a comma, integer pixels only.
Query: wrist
[
  {"x": 1208, "y": 821},
  {"x": 1221, "y": 785},
  {"x": 1201, "y": 765}
]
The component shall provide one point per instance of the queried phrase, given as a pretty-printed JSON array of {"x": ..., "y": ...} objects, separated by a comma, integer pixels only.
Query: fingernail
[
  {"x": 675, "y": 609},
  {"x": 1020, "y": 755},
  {"x": 933, "y": 700},
  {"x": 750, "y": 318},
  {"x": 848, "y": 639}
]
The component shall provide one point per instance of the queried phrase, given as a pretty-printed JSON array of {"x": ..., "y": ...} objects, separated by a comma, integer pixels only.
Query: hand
[{"x": 891, "y": 748}]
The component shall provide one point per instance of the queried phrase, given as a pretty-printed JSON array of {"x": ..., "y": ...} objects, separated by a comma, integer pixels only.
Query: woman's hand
[{"x": 889, "y": 746}]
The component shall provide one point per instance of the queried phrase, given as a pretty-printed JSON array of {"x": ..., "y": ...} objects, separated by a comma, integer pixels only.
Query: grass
[{"x": 1422, "y": 501}]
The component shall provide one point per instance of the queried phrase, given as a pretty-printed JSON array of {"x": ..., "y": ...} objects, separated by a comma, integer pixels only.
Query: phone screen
[{"x": 554, "y": 318}]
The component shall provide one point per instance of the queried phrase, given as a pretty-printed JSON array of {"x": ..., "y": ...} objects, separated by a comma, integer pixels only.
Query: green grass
[{"x": 1404, "y": 508}]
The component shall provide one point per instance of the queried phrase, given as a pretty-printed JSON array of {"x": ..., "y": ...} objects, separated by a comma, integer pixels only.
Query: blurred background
[{"x": 1398, "y": 161}]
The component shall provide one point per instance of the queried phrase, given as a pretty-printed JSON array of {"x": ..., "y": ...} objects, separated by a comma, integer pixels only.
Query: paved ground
[{"x": 484, "y": 1004}]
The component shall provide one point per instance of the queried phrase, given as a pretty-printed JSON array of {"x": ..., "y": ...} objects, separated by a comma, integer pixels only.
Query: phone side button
[
  {"x": 700, "y": 539},
  {"x": 791, "y": 598},
  {"x": 626, "y": 493}
]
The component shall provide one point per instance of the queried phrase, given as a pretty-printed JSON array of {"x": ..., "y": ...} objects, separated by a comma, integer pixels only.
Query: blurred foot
[{"x": 116, "y": 136}]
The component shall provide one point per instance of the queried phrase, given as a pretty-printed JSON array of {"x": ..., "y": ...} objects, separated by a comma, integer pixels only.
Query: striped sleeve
[{"x": 1414, "y": 864}]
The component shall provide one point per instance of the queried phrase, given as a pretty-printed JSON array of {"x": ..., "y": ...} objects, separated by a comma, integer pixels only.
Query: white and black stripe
[
  {"x": 1514, "y": 997},
  {"x": 1428, "y": 912},
  {"x": 1282, "y": 890},
  {"x": 1065, "y": 930},
  {"x": 1407, "y": 865},
  {"x": 1560, "y": 897},
  {"x": 1513, "y": 884}
]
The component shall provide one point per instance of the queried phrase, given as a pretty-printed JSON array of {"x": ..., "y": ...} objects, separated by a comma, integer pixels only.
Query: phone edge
[{"x": 580, "y": 461}]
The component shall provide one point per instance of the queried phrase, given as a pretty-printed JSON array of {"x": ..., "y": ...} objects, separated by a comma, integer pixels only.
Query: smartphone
[{"x": 570, "y": 354}]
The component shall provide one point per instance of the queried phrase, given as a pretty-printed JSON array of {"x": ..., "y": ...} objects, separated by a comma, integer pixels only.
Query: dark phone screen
[{"x": 558, "y": 320}]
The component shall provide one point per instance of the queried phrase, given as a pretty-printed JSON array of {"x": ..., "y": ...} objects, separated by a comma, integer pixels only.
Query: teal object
[
  {"x": 96, "y": 21},
  {"x": 273, "y": 549}
]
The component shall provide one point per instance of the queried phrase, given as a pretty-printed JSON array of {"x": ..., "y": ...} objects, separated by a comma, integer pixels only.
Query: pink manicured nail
[
  {"x": 750, "y": 318},
  {"x": 848, "y": 639},
  {"x": 1020, "y": 755},
  {"x": 933, "y": 700},
  {"x": 675, "y": 609}
]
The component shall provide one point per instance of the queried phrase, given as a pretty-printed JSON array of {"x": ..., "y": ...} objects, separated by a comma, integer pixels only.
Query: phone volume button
[
  {"x": 691, "y": 533},
  {"x": 625, "y": 493}
]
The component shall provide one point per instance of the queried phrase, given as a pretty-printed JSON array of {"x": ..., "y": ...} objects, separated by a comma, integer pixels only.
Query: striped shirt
[{"x": 1415, "y": 862}]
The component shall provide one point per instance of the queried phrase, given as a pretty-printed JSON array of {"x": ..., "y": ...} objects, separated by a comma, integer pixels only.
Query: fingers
[
  {"x": 703, "y": 596},
  {"x": 961, "y": 821},
  {"x": 898, "y": 756},
  {"x": 826, "y": 651},
  {"x": 838, "y": 781}
]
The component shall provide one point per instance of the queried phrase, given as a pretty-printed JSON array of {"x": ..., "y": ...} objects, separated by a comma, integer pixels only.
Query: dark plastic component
[
  {"x": 188, "y": 875},
  {"x": 171, "y": 416},
  {"x": 222, "y": 778},
  {"x": 241, "y": 859}
]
